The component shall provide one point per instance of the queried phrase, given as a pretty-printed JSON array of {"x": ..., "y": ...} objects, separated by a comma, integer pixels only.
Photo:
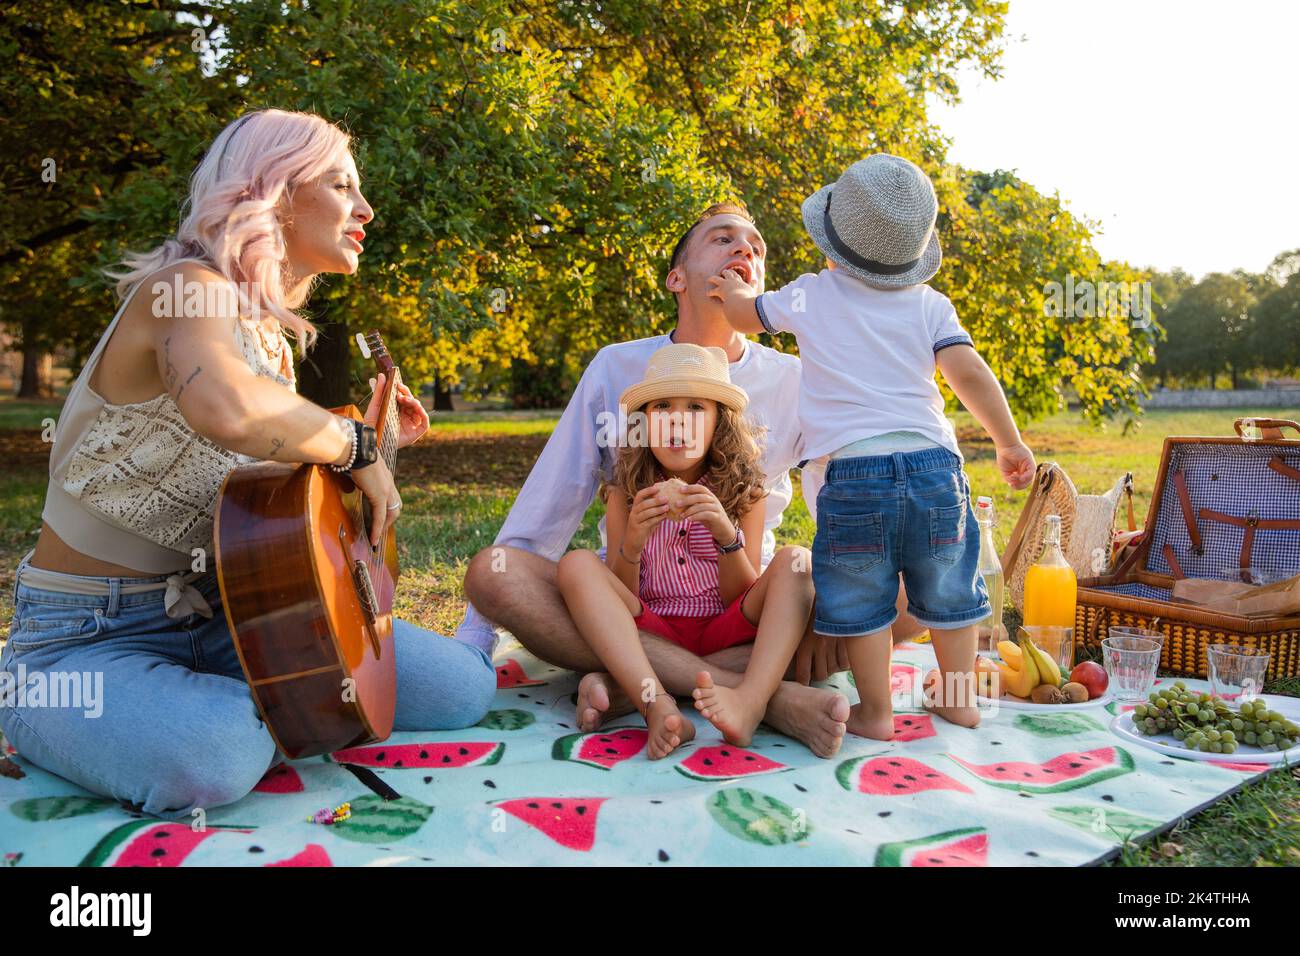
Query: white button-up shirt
[{"x": 566, "y": 476}]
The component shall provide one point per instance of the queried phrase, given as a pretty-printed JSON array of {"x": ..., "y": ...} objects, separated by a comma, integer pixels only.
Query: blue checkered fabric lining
[
  {"x": 1144, "y": 591},
  {"x": 1232, "y": 479}
]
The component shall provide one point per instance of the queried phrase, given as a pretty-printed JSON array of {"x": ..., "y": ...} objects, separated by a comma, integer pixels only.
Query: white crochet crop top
[{"x": 135, "y": 485}]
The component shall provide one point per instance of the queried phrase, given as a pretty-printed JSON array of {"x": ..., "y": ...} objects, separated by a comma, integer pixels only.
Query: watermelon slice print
[
  {"x": 149, "y": 843},
  {"x": 376, "y": 820},
  {"x": 756, "y": 817},
  {"x": 280, "y": 779},
  {"x": 1241, "y": 766},
  {"x": 506, "y": 720},
  {"x": 893, "y": 777},
  {"x": 1069, "y": 771},
  {"x": 727, "y": 763},
  {"x": 312, "y": 855},
  {"x": 968, "y": 847},
  {"x": 601, "y": 750},
  {"x": 569, "y": 821},
  {"x": 912, "y": 727},
  {"x": 439, "y": 756},
  {"x": 510, "y": 673}
]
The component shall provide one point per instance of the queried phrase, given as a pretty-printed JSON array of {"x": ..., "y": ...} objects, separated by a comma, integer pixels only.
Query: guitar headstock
[{"x": 379, "y": 352}]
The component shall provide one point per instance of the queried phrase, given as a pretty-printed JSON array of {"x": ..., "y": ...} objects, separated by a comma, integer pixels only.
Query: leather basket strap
[
  {"x": 1250, "y": 523},
  {"x": 1283, "y": 469},
  {"x": 1189, "y": 517},
  {"x": 1174, "y": 567}
]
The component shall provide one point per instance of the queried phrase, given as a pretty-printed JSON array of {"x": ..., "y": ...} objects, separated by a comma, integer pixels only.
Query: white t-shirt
[
  {"x": 868, "y": 357},
  {"x": 564, "y": 480}
]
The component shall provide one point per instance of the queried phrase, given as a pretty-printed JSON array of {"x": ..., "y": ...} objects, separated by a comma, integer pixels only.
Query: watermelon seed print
[
  {"x": 893, "y": 776},
  {"x": 757, "y": 817},
  {"x": 726, "y": 762},
  {"x": 1069, "y": 771}
]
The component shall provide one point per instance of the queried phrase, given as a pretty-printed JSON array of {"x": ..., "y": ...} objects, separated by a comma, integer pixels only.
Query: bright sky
[{"x": 1172, "y": 123}]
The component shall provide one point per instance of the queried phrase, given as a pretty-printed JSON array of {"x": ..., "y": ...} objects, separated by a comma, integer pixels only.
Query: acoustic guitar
[{"x": 308, "y": 600}]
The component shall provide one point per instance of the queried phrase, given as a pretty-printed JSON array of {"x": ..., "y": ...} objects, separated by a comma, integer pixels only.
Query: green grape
[
  {"x": 1179, "y": 734},
  {"x": 1238, "y": 723},
  {"x": 1230, "y": 747},
  {"x": 1266, "y": 738},
  {"x": 1193, "y": 708},
  {"x": 1180, "y": 685},
  {"x": 1204, "y": 716},
  {"x": 1140, "y": 710},
  {"x": 1275, "y": 726},
  {"x": 1227, "y": 735},
  {"x": 1216, "y": 747},
  {"x": 1212, "y": 734},
  {"x": 1204, "y": 746},
  {"x": 1251, "y": 737},
  {"x": 1163, "y": 703}
]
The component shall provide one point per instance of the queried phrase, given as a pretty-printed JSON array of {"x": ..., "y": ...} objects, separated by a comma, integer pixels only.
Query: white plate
[
  {"x": 1288, "y": 707},
  {"x": 1011, "y": 703}
]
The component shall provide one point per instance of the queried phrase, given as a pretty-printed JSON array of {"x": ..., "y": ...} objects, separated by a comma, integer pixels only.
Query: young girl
[{"x": 684, "y": 539}]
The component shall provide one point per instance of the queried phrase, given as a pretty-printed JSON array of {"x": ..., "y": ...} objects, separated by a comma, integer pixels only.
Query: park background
[{"x": 531, "y": 165}]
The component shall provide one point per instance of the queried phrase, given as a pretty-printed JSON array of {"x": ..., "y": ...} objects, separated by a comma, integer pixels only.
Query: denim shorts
[{"x": 882, "y": 515}]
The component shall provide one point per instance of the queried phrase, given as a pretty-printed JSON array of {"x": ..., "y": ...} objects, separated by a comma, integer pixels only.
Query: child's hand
[
  {"x": 1016, "y": 462},
  {"x": 701, "y": 505},
  {"x": 730, "y": 284},
  {"x": 649, "y": 507}
]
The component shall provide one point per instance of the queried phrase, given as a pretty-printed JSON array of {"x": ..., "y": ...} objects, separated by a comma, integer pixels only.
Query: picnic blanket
[{"x": 524, "y": 788}]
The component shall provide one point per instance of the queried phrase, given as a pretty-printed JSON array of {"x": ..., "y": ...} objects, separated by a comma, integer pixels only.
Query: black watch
[{"x": 367, "y": 446}]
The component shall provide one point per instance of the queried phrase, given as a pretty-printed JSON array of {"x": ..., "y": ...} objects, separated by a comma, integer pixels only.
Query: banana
[
  {"x": 1021, "y": 681},
  {"x": 1048, "y": 671},
  {"x": 1009, "y": 651}
]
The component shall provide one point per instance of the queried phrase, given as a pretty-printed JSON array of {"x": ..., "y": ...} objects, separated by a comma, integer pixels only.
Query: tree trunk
[
  {"x": 441, "y": 396},
  {"x": 35, "y": 382},
  {"x": 324, "y": 375}
]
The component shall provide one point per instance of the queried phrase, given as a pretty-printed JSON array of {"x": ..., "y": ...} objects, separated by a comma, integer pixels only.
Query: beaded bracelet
[{"x": 352, "y": 441}]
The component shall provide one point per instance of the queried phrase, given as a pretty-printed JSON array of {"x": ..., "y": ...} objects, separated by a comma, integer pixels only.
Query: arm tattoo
[
  {"x": 193, "y": 375},
  {"x": 169, "y": 372},
  {"x": 276, "y": 445}
]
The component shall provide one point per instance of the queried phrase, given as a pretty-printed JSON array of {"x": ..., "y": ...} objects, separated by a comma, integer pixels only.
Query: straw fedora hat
[
  {"x": 877, "y": 222},
  {"x": 682, "y": 370}
]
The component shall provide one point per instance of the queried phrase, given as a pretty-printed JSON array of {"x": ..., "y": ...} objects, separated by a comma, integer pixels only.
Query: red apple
[{"x": 1092, "y": 676}]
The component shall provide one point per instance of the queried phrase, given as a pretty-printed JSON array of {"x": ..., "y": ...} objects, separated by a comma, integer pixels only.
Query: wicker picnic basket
[{"x": 1219, "y": 505}]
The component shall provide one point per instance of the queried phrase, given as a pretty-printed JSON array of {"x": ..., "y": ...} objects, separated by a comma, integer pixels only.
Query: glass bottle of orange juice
[{"x": 1051, "y": 589}]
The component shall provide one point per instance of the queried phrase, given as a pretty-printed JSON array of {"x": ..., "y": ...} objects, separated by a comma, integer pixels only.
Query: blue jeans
[
  {"x": 164, "y": 719},
  {"x": 882, "y": 515}
]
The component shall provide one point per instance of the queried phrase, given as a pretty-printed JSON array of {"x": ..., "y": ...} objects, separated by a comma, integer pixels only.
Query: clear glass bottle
[
  {"x": 989, "y": 630},
  {"x": 1051, "y": 589}
]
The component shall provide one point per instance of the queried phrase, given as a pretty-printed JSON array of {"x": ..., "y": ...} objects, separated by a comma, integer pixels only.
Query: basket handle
[{"x": 1269, "y": 428}]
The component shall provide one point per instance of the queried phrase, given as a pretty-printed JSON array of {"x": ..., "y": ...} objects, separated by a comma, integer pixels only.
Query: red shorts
[{"x": 701, "y": 635}]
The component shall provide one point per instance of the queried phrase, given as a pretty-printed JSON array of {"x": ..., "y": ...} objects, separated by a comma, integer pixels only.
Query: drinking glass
[
  {"x": 1054, "y": 641},
  {"x": 1131, "y": 664},
  {"x": 1143, "y": 632},
  {"x": 1237, "y": 673}
]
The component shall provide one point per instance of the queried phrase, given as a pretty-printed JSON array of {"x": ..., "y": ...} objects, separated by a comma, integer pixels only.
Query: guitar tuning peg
[{"x": 361, "y": 344}]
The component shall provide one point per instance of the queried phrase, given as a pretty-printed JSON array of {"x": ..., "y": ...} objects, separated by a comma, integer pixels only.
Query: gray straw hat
[{"x": 877, "y": 222}]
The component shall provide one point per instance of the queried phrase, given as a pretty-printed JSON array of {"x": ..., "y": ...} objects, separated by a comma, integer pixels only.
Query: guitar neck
[{"x": 389, "y": 426}]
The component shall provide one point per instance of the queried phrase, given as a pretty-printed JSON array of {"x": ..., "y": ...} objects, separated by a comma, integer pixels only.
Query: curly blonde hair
[{"x": 731, "y": 466}]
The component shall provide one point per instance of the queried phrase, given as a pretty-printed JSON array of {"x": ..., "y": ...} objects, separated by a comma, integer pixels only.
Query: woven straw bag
[{"x": 1087, "y": 527}]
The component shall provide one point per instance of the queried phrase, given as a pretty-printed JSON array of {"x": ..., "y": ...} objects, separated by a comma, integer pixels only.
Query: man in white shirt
[{"x": 512, "y": 582}]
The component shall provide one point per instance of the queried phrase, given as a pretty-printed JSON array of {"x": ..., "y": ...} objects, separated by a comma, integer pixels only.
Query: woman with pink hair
[{"x": 193, "y": 377}]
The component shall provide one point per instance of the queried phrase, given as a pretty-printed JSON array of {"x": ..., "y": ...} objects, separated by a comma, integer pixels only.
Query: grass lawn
[{"x": 458, "y": 485}]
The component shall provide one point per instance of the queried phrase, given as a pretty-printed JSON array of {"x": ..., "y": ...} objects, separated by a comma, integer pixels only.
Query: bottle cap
[{"x": 983, "y": 501}]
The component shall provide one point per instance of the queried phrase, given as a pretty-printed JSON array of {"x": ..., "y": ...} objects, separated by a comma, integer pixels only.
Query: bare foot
[
  {"x": 728, "y": 709},
  {"x": 875, "y": 725},
  {"x": 668, "y": 728},
  {"x": 813, "y": 715},
  {"x": 933, "y": 699},
  {"x": 599, "y": 698}
]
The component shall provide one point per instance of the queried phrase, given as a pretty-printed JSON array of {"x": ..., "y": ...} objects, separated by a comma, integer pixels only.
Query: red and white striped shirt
[{"x": 679, "y": 571}]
